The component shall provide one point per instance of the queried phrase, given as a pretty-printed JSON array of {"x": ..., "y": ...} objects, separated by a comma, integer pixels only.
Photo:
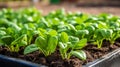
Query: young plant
[
  {"x": 46, "y": 43},
  {"x": 115, "y": 35},
  {"x": 69, "y": 45},
  {"x": 82, "y": 33},
  {"x": 30, "y": 48},
  {"x": 102, "y": 34},
  {"x": 12, "y": 39},
  {"x": 91, "y": 30},
  {"x": 31, "y": 32},
  {"x": 18, "y": 42},
  {"x": 14, "y": 44}
]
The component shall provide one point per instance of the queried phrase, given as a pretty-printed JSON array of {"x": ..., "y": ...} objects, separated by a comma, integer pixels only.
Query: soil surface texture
[{"x": 55, "y": 59}]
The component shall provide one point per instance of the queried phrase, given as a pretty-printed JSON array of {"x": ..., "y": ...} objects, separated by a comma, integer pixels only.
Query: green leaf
[
  {"x": 7, "y": 39},
  {"x": 91, "y": 29},
  {"x": 53, "y": 32},
  {"x": 106, "y": 33},
  {"x": 82, "y": 33},
  {"x": 71, "y": 27},
  {"x": 52, "y": 43},
  {"x": 95, "y": 25},
  {"x": 2, "y": 33},
  {"x": 55, "y": 21},
  {"x": 103, "y": 32},
  {"x": 42, "y": 32},
  {"x": 73, "y": 39},
  {"x": 22, "y": 43},
  {"x": 19, "y": 39},
  {"x": 102, "y": 25},
  {"x": 109, "y": 33},
  {"x": 31, "y": 48},
  {"x": 43, "y": 20},
  {"x": 82, "y": 18},
  {"x": 62, "y": 45},
  {"x": 79, "y": 54},
  {"x": 82, "y": 43},
  {"x": 64, "y": 37},
  {"x": 99, "y": 34},
  {"x": 41, "y": 42}
]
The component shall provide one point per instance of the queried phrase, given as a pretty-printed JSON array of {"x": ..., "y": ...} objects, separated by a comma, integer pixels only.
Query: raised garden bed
[{"x": 58, "y": 39}]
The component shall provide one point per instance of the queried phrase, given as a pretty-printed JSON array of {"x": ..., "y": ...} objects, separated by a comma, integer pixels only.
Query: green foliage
[
  {"x": 31, "y": 48},
  {"x": 47, "y": 42},
  {"x": 69, "y": 31},
  {"x": 71, "y": 46}
]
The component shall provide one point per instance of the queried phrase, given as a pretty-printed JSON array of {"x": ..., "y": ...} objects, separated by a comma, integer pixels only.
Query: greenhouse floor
[
  {"x": 85, "y": 9},
  {"x": 46, "y": 8}
]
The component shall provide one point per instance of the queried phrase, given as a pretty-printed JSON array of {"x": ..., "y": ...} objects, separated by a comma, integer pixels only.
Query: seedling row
[{"x": 67, "y": 32}]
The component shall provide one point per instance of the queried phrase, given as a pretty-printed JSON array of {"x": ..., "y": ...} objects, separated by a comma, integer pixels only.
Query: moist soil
[{"x": 55, "y": 59}]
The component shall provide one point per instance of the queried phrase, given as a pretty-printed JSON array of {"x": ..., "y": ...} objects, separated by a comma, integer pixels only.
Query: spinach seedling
[
  {"x": 13, "y": 39},
  {"x": 82, "y": 33},
  {"x": 102, "y": 34},
  {"x": 115, "y": 35},
  {"x": 47, "y": 42},
  {"x": 71, "y": 46}
]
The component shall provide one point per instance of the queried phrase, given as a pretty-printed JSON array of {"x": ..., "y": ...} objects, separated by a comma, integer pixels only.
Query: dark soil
[{"x": 55, "y": 60}]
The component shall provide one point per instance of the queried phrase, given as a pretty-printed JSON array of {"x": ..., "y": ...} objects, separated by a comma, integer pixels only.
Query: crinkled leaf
[
  {"x": 7, "y": 39},
  {"x": 42, "y": 32},
  {"x": 2, "y": 33},
  {"x": 82, "y": 43},
  {"x": 19, "y": 39},
  {"x": 64, "y": 37},
  {"x": 91, "y": 28},
  {"x": 31, "y": 48},
  {"x": 109, "y": 33},
  {"x": 98, "y": 34},
  {"x": 95, "y": 25},
  {"x": 55, "y": 21},
  {"x": 82, "y": 32},
  {"x": 73, "y": 39},
  {"x": 79, "y": 54},
  {"x": 102, "y": 25},
  {"x": 22, "y": 43},
  {"x": 41, "y": 43},
  {"x": 52, "y": 43},
  {"x": 62, "y": 45},
  {"x": 53, "y": 32},
  {"x": 71, "y": 27}
]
